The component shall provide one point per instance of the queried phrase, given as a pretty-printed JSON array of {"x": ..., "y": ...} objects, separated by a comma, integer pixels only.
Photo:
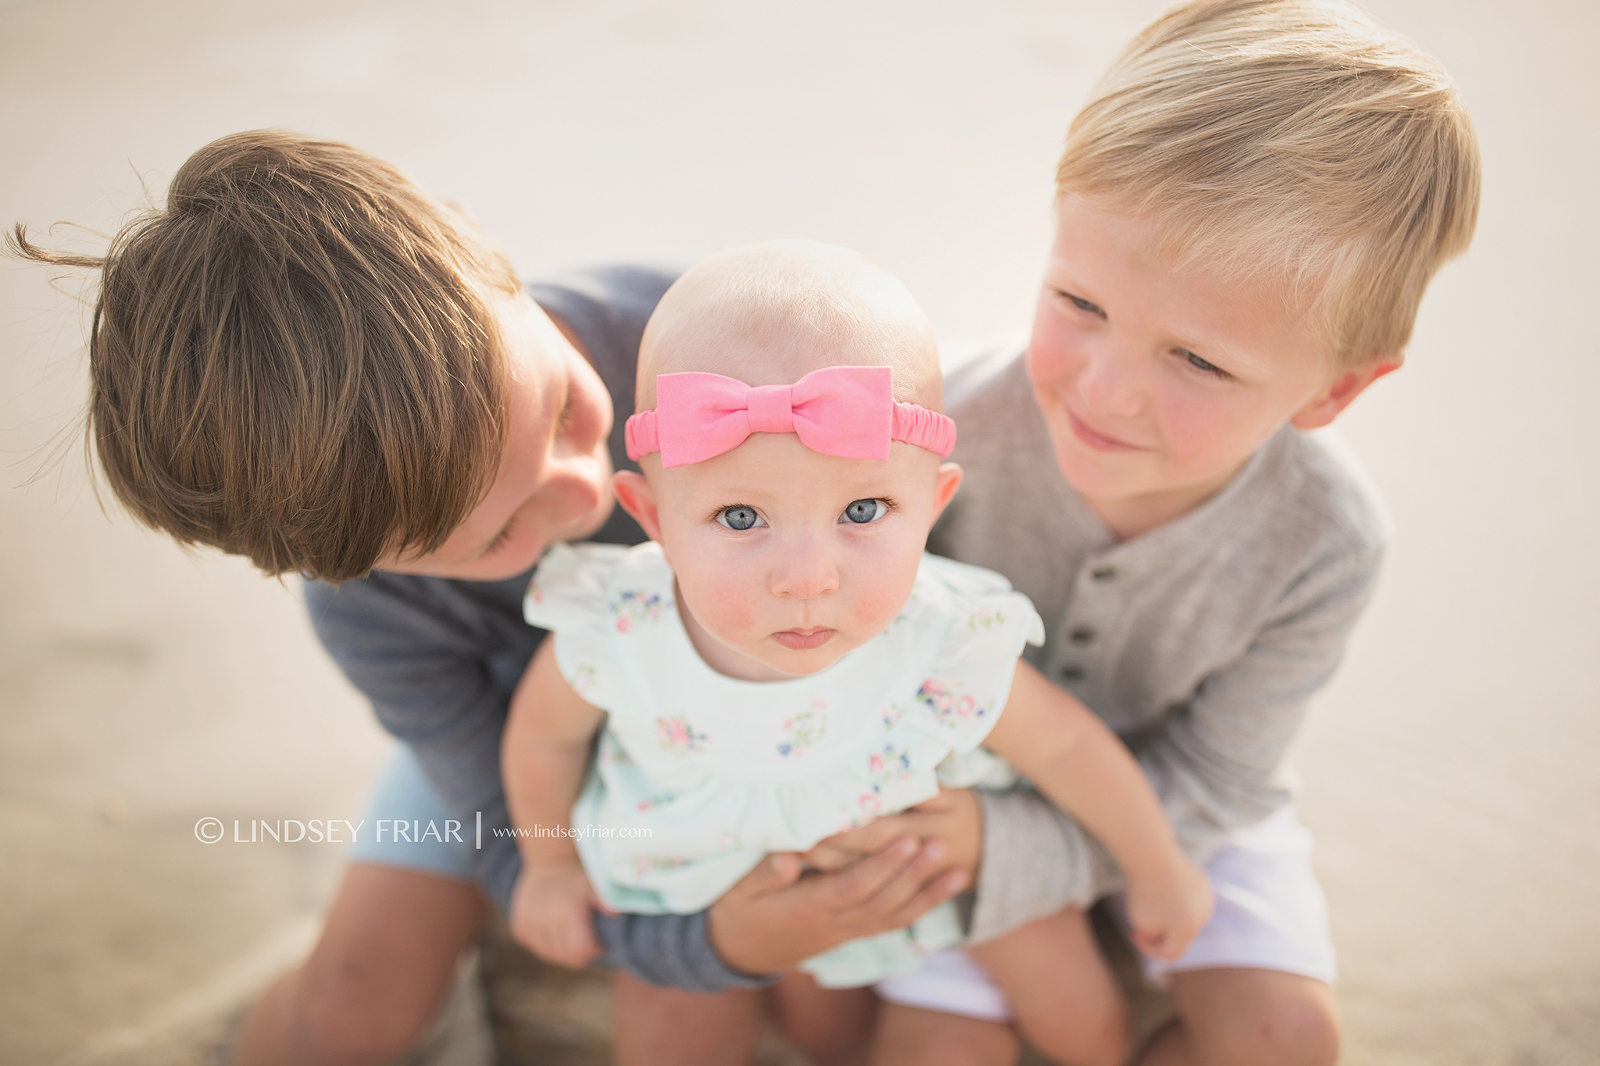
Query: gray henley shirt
[{"x": 1199, "y": 642}]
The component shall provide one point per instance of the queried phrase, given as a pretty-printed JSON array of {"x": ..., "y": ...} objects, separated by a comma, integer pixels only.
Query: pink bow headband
[{"x": 848, "y": 411}]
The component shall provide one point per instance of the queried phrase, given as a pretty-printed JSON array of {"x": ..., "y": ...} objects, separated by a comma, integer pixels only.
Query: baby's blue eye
[
  {"x": 740, "y": 516},
  {"x": 1200, "y": 364},
  {"x": 863, "y": 511}
]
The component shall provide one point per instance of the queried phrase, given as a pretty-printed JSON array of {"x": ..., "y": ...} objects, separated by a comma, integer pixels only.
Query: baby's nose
[{"x": 806, "y": 572}]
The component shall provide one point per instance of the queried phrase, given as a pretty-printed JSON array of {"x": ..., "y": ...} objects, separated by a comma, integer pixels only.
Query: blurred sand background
[{"x": 1449, "y": 772}]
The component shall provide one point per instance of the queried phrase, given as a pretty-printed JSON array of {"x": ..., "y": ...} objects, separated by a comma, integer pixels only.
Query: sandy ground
[{"x": 1447, "y": 772}]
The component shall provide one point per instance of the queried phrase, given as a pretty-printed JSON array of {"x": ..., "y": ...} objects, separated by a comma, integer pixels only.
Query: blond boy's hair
[
  {"x": 768, "y": 314},
  {"x": 1288, "y": 138},
  {"x": 296, "y": 359}
]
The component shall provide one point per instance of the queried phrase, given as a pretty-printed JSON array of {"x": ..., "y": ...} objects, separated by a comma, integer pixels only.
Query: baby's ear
[
  {"x": 639, "y": 500},
  {"x": 1341, "y": 393},
  {"x": 944, "y": 489}
]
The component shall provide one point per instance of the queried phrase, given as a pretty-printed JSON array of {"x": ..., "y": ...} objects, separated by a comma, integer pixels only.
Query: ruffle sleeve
[
  {"x": 969, "y": 678},
  {"x": 570, "y": 595}
]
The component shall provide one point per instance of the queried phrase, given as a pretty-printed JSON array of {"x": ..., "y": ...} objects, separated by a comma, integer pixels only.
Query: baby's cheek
[
  {"x": 722, "y": 603},
  {"x": 884, "y": 591}
]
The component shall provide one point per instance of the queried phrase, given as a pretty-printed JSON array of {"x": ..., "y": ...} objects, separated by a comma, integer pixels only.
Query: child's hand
[
  {"x": 1168, "y": 908},
  {"x": 550, "y": 914}
]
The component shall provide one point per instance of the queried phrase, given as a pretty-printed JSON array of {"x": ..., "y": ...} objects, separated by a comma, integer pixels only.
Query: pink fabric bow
[{"x": 849, "y": 411}]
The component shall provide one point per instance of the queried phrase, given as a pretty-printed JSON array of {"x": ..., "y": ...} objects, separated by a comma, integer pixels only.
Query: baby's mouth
[{"x": 804, "y": 639}]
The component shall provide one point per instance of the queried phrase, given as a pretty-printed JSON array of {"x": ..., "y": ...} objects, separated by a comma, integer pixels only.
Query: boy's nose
[
  {"x": 805, "y": 571},
  {"x": 573, "y": 486},
  {"x": 1109, "y": 382}
]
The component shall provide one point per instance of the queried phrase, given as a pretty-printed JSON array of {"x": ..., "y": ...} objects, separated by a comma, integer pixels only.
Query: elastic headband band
[{"x": 849, "y": 411}]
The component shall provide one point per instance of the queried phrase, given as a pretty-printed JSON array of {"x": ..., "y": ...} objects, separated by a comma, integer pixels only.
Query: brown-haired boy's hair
[
  {"x": 1289, "y": 136},
  {"x": 297, "y": 358}
]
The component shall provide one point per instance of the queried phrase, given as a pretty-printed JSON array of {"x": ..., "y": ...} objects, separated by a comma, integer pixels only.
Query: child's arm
[
  {"x": 543, "y": 756},
  {"x": 1070, "y": 756}
]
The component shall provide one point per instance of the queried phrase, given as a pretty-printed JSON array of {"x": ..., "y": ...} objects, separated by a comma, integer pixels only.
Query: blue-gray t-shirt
[{"x": 439, "y": 658}]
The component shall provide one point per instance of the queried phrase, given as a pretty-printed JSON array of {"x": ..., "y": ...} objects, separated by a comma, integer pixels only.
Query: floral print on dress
[
  {"x": 677, "y": 735},
  {"x": 633, "y": 606},
  {"x": 950, "y": 706},
  {"x": 584, "y": 678},
  {"x": 867, "y": 806},
  {"x": 889, "y": 762},
  {"x": 646, "y": 866},
  {"x": 985, "y": 618},
  {"x": 803, "y": 730},
  {"x": 652, "y": 802}
]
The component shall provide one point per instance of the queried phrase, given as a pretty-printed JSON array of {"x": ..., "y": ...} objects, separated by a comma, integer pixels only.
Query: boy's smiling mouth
[
  {"x": 804, "y": 639},
  {"x": 1094, "y": 438}
]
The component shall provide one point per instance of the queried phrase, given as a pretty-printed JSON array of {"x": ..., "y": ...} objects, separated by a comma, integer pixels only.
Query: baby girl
[{"x": 782, "y": 660}]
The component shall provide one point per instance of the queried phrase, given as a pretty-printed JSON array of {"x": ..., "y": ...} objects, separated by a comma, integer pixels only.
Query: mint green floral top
[{"x": 697, "y": 776}]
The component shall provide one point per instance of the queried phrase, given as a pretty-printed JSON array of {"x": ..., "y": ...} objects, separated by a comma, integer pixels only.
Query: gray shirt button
[
  {"x": 1071, "y": 673},
  {"x": 1081, "y": 635},
  {"x": 1103, "y": 573}
]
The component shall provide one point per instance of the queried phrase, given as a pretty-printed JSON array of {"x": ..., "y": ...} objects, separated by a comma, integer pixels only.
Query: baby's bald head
[{"x": 768, "y": 314}]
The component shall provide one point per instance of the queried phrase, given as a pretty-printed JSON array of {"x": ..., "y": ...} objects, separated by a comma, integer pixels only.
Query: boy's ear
[
  {"x": 639, "y": 500},
  {"x": 944, "y": 490},
  {"x": 1341, "y": 393}
]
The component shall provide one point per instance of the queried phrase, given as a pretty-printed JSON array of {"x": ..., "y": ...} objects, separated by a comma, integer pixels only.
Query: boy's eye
[
  {"x": 499, "y": 540},
  {"x": 739, "y": 517},
  {"x": 1200, "y": 364},
  {"x": 863, "y": 511}
]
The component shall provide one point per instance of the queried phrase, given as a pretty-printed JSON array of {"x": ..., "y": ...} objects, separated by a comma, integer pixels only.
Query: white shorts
[{"x": 1270, "y": 915}]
